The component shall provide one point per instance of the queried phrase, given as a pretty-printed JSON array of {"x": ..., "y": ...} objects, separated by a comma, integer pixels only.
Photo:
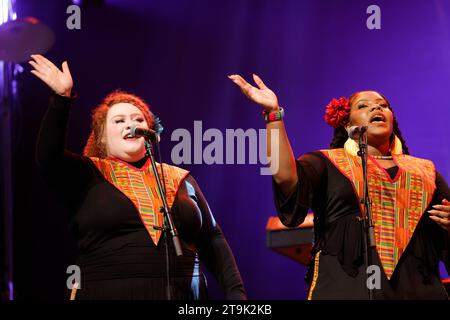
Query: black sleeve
[
  {"x": 292, "y": 210},
  {"x": 443, "y": 192},
  {"x": 432, "y": 241},
  {"x": 214, "y": 251},
  {"x": 442, "y": 188},
  {"x": 65, "y": 172}
]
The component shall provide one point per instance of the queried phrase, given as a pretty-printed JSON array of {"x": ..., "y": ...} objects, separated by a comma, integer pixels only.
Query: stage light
[
  {"x": 6, "y": 11},
  {"x": 88, "y": 2}
]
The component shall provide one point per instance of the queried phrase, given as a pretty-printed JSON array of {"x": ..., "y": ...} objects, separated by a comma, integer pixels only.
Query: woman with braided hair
[{"x": 411, "y": 214}]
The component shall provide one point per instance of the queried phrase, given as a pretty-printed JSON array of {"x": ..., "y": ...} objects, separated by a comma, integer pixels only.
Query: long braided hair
[{"x": 340, "y": 135}]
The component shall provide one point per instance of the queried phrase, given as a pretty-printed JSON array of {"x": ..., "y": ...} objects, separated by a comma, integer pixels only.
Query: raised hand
[
  {"x": 262, "y": 95},
  {"x": 60, "y": 81}
]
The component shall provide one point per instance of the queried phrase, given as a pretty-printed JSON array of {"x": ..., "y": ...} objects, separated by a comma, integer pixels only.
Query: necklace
[{"x": 383, "y": 157}]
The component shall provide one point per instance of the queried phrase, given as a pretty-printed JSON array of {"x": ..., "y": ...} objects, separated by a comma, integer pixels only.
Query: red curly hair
[{"x": 95, "y": 147}]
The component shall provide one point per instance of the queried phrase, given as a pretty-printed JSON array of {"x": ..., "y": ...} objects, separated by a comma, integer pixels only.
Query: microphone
[
  {"x": 354, "y": 131},
  {"x": 137, "y": 132}
]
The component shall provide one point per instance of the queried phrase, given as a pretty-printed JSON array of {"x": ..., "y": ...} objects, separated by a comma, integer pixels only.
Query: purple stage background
[{"x": 177, "y": 54}]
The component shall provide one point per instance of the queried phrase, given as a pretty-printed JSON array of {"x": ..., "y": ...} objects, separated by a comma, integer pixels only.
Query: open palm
[
  {"x": 261, "y": 95},
  {"x": 60, "y": 81}
]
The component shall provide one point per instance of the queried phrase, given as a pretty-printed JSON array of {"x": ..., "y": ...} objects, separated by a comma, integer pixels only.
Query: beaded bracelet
[{"x": 274, "y": 115}]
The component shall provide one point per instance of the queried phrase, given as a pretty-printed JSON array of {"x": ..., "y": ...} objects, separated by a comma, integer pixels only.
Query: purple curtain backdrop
[{"x": 177, "y": 54}]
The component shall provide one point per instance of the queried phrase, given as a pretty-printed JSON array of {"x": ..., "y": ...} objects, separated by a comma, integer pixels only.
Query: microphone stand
[
  {"x": 168, "y": 225},
  {"x": 369, "y": 242}
]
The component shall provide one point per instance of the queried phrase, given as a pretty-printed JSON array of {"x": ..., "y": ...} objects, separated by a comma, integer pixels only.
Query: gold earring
[{"x": 396, "y": 146}]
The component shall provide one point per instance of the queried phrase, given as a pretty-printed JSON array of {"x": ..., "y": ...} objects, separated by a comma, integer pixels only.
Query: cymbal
[{"x": 20, "y": 38}]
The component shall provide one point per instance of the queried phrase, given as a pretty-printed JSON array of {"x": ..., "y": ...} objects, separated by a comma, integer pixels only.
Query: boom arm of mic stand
[{"x": 169, "y": 226}]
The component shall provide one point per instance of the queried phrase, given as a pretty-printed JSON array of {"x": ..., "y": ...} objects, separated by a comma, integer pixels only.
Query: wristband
[{"x": 274, "y": 115}]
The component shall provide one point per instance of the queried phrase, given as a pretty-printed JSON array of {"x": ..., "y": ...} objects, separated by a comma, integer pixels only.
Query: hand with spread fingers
[
  {"x": 441, "y": 214},
  {"x": 60, "y": 81},
  {"x": 261, "y": 95}
]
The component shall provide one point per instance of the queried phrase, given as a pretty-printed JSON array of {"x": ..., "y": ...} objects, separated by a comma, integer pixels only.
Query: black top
[
  {"x": 114, "y": 246},
  {"x": 339, "y": 237}
]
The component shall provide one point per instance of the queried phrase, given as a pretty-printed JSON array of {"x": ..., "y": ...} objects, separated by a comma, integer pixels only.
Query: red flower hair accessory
[{"x": 337, "y": 112}]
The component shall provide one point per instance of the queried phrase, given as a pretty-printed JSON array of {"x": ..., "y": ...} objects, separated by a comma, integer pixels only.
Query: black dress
[
  {"x": 116, "y": 256},
  {"x": 339, "y": 235}
]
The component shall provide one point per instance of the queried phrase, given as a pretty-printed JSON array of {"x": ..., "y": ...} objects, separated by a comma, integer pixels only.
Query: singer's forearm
[
  {"x": 278, "y": 147},
  {"x": 52, "y": 134}
]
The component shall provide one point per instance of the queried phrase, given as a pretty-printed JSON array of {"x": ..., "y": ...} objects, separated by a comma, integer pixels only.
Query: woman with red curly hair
[
  {"x": 409, "y": 206},
  {"x": 111, "y": 195}
]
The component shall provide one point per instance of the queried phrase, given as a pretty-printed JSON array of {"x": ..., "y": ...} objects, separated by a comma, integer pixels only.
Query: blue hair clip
[{"x": 158, "y": 127}]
